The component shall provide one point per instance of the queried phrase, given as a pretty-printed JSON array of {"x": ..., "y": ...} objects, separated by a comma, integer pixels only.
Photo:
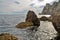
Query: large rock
[
  {"x": 56, "y": 22},
  {"x": 32, "y": 17},
  {"x": 7, "y": 36},
  {"x": 52, "y": 9},
  {"x": 43, "y": 18},
  {"x": 24, "y": 24}
]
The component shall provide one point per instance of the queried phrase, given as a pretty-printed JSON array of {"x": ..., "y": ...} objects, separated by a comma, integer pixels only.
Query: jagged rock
[
  {"x": 52, "y": 9},
  {"x": 56, "y": 22},
  {"x": 57, "y": 37},
  {"x": 32, "y": 17},
  {"x": 43, "y": 18},
  {"x": 24, "y": 24},
  {"x": 7, "y": 36}
]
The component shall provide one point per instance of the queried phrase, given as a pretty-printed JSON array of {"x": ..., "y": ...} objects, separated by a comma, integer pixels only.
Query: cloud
[
  {"x": 17, "y": 2},
  {"x": 22, "y": 5},
  {"x": 41, "y": 3}
]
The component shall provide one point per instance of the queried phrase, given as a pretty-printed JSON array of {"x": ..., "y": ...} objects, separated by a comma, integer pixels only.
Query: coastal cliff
[{"x": 52, "y": 9}]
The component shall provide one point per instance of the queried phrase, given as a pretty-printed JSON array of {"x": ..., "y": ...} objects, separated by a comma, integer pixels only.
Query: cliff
[{"x": 52, "y": 9}]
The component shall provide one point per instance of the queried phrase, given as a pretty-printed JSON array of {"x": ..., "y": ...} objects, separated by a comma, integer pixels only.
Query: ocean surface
[{"x": 8, "y": 24}]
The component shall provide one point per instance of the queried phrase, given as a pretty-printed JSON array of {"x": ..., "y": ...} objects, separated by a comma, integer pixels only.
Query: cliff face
[{"x": 52, "y": 9}]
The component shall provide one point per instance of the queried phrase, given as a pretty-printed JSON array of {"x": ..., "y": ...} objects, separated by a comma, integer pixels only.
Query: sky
[{"x": 22, "y": 6}]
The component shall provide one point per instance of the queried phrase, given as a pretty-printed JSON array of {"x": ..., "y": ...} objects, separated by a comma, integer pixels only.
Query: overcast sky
[{"x": 22, "y": 6}]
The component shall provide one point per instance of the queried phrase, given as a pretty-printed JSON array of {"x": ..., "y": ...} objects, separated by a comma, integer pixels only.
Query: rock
[
  {"x": 52, "y": 9},
  {"x": 32, "y": 17},
  {"x": 57, "y": 37},
  {"x": 7, "y": 36},
  {"x": 43, "y": 18},
  {"x": 56, "y": 22},
  {"x": 24, "y": 24}
]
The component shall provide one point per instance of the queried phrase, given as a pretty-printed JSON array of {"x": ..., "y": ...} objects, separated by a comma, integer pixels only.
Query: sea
[{"x": 8, "y": 24}]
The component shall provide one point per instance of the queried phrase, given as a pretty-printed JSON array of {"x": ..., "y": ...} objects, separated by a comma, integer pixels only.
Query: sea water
[{"x": 8, "y": 25}]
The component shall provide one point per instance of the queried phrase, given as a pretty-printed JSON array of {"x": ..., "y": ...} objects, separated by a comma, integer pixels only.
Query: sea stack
[
  {"x": 31, "y": 21},
  {"x": 32, "y": 17}
]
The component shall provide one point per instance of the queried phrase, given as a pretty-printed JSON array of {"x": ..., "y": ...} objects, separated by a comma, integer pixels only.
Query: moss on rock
[
  {"x": 7, "y": 36},
  {"x": 24, "y": 24}
]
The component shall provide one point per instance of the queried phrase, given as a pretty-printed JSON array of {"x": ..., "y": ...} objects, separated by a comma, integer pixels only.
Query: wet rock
[
  {"x": 7, "y": 36},
  {"x": 32, "y": 17},
  {"x": 24, "y": 24}
]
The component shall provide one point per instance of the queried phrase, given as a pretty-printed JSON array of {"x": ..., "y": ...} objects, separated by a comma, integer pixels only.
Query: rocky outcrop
[
  {"x": 31, "y": 20},
  {"x": 43, "y": 18},
  {"x": 32, "y": 17},
  {"x": 24, "y": 24},
  {"x": 56, "y": 22},
  {"x": 55, "y": 19},
  {"x": 7, "y": 36},
  {"x": 52, "y": 9}
]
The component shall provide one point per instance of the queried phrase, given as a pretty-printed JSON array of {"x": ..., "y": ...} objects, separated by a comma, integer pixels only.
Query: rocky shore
[{"x": 7, "y": 36}]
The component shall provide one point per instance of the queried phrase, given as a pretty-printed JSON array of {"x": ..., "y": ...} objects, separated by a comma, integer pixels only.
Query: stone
[
  {"x": 24, "y": 24},
  {"x": 51, "y": 9},
  {"x": 43, "y": 18},
  {"x": 32, "y": 17},
  {"x": 7, "y": 36},
  {"x": 56, "y": 22}
]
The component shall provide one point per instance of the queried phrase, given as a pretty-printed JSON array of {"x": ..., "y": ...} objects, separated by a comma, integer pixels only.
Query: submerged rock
[
  {"x": 24, "y": 24},
  {"x": 7, "y": 36},
  {"x": 32, "y": 17}
]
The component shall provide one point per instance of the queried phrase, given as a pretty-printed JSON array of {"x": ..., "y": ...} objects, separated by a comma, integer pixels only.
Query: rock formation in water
[
  {"x": 31, "y": 20},
  {"x": 7, "y": 36},
  {"x": 52, "y": 9},
  {"x": 32, "y": 17},
  {"x": 24, "y": 24}
]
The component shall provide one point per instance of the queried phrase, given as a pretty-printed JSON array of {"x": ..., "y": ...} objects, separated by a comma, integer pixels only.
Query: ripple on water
[{"x": 20, "y": 33}]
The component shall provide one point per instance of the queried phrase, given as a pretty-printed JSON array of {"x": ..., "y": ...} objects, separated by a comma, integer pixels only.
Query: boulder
[
  {"x": 43, "y": 18},
  {"x": 7, "y": 36},
  {"x": 32, "y": 17},
  {"x": 24, "y": 24}
]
